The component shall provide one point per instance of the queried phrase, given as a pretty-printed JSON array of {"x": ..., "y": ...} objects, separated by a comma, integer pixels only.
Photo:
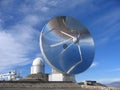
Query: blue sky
[{"x": 22, "y": 20}]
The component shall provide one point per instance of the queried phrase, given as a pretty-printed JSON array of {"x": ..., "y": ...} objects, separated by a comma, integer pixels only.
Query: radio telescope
[{"x": 66, "y": 45}]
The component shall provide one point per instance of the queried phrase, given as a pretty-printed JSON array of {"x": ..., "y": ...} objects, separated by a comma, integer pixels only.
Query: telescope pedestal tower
[{"x": 58, "y": 76}]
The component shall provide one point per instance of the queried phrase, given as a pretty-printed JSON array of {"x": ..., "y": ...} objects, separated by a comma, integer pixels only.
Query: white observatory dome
[
  {"x": 37, "y": 66},
  {"x": 37, "y": 61}
]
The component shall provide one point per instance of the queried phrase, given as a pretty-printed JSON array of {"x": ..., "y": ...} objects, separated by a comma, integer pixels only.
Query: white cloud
[
  {"x": 94, "y": 64},
  {"x": 31, "y": 20},
  {"x": 108, "y": 80},
  {"x": 53, "y": 7},
  {"x": 117, "y": 38},
  {"x": 117, "y": 69},
  {"x": 108, "y": 23},
  {"x": 114, "y": 70},
  {"x": 110, "y": 17},
  {"x": 11, "y": 51},
  {"x": 44, "y": 9},
  {"x": 53, "y": 3},
  {"x": 1, "y": 21},
  {"x": 103, "y": 40},
  {"x": 18, "y": 42},
  {"x": 6, "y": 2}
]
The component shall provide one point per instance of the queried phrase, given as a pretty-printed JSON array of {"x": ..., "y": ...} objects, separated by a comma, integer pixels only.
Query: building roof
[{"x": 37, "y": 61}]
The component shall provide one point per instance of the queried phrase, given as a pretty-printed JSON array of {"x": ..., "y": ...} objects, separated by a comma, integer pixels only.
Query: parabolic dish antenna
[{"x": 67, "y": 45}]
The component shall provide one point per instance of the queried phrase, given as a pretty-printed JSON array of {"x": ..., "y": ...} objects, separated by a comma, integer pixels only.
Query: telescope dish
[{"x": 67, "y": 45}]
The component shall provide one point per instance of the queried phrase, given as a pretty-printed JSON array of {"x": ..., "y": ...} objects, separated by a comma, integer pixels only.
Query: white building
[
  {"x": 37, "y": 66},
  {"x": 10, "y": 76}
]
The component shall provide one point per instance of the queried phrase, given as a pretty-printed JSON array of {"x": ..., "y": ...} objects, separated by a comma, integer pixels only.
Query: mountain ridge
[{"x": 114, "y": 84}]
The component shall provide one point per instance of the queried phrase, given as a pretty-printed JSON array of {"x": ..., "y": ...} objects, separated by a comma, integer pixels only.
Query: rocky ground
[{"x": 35, "y": 85}]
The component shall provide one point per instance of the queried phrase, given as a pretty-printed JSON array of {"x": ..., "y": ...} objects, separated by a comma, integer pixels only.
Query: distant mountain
[{"x": 114, "y": 84}]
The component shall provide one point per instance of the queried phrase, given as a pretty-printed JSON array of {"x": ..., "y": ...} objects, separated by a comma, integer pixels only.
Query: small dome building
[{"x": 37, "y": 66}]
